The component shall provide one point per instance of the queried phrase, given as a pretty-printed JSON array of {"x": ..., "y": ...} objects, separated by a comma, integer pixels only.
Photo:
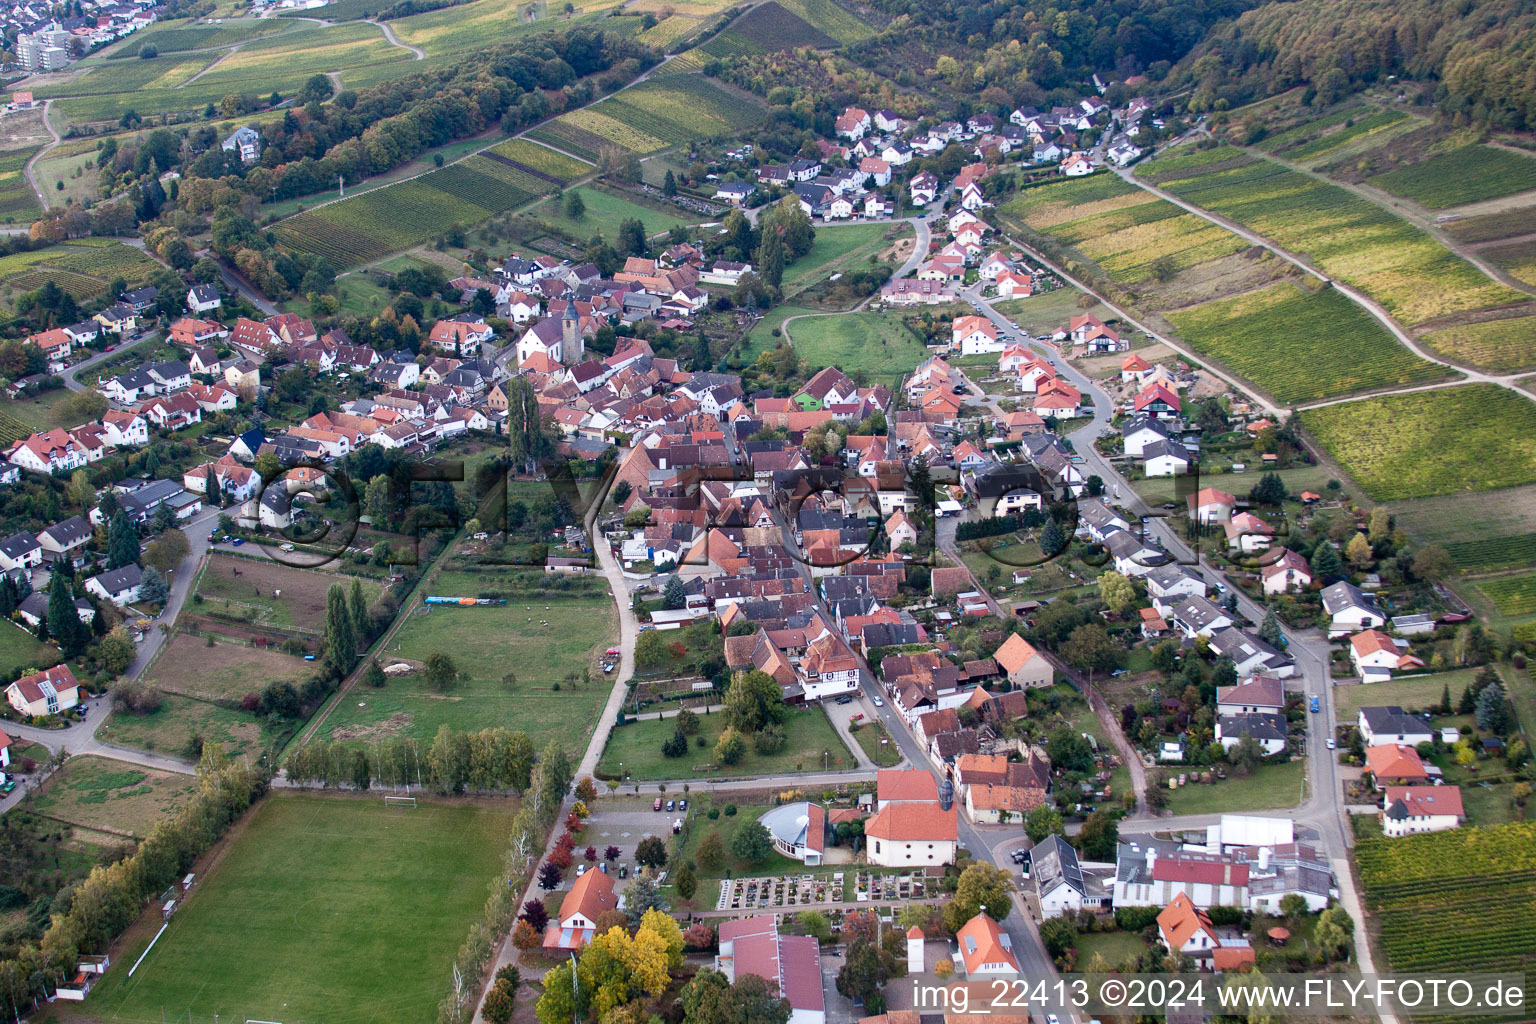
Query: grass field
[
  {"x": 168, "y": 730},
  {"x": 1411, "y": 693},
  {"x": 225, "y": 671},
  {"x": 1498, "y": 345},
  {"x": 880, "y": 344},
  {"x": 76, "y": 167},
  {"x": 637, "y": 745},
  {"x": 112, "y": 796},
  {"x": 1412, "y": 275},
  {"x": 1474, "y": 438},
  {"x": 320, "y": 903},
  {"x": 1272, "y": 785},
  {"x": 486, "y": 643},
  {"x": 1286, "y": 340},
  {"x": 835, "y": 248},
  {"x": 605, "y": 211},
  {"x": 1047, "y": 312},
  {"x": 19, "y": 649},
  {"x": 250, "y": 595},
  {"x": 1466, "y": 175}
]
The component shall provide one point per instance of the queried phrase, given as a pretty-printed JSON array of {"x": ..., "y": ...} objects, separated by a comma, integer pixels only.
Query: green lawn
[
  {"x": 167, "y": 730},
  {"x": 1411, "y": 693},
  {"x": 1048, "y": 312},
  {"x": 319, "y": 903},
  {"x": 20, "y": 649},
  {"x": 760, "y": 339},
  {"x": 880, "y": 344},
  {"x": 699, "y": 826},
  {"x": 1117, "y": 947},
  {"x": 637, "y": 746},
  {"x": 1274, "y": 785},
  {"x": 606, "y": 211},
  {"x": 486, "y": 643},
  {"x": 886, "y": 755},
  {"x": 830, "y": 252},
  {"x": 114, "y": 796}
]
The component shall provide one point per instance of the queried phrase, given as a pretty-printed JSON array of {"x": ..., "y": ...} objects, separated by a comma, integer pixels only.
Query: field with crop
[
  {"x": 1462, "y": 900},
  {"x": 83, "y": 267},
  {"x": 668, "y": 31},
  {"x": 1473, "y": 438},
  {"x": 319, "y": 902},
  {"x": 1487, "y": 554},
  {"x": 1511, "y": 595},
  {"x": 1517, "y": 258},
  {"x": 538, "y": 638},
  {"x": 1286, "y": 340},
  {"x": 370, "y": 226},
  {"x": 1308, "y": 130},
  {"x": 1465, "y": 175},
  {"x": 654, "y": 115},
  {"x": 17, "y": 200},
  {"x": 1488, "y": 227},
  {"x": 541, "y": 160},
  {"x": 1498, "y": 345},
  {"x": 828, "y": 17},
  {"x": 1412, "y": 275},
  {"x": 112, "y": 796},
  {"x": 1364, "y": 125},
  {"x": 485, "y": 23},
  {"x": 179, "y": 35},
  {"x": 772, "y": 26},
  {"x": 1129, "y": 233}
]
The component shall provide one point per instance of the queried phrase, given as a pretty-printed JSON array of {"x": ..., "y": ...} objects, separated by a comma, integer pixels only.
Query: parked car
[
  {"x": 682, "y": 805},
  {"x": 845, "y": 699},
  {"x": 671, "y": 805},
  {"x": 238, "y": 541},
  {"x": 657, "y": 805},
  {"x": 624, "y": 871}
]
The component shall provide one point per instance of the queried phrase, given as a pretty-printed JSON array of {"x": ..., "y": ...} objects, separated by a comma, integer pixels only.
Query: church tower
[{"x": 572, "y": 345}]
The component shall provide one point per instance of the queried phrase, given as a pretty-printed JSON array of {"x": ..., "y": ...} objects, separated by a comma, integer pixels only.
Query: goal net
[{"x": 400, "y": 801}]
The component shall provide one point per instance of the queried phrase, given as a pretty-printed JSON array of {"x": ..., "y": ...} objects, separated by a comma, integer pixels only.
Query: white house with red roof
[
  {"x": 1013, "y": 284},
  {"x": 576, "y": 924},
  {"x": 1133, "y": 368},
  {"x": 1288, "y": 571},
  {"x": 1097, "y": 336},
  {"x": 1209, "y": 506},
  {"x": 1153, "y": 876},
  {"x": 904, "y": 785},
  {"x": 1376, "y": 656},
  {"x": 52, "y": 451},
  {"x": 984, "y": 949},
  {"x": 44, "y": 693},
  {"x": 974, "y": 335},
  {"x": 1409, "y": 810},
  {"x": 1023, "y": 664}
]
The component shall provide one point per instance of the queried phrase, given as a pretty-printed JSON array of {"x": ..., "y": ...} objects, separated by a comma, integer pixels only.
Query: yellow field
[
  {"x": 614, "y": 131},
  {"x": 668, "y": 31},
  {"x": 694, "y": 8},
  {"x": 480, "y": 24},
  {"x": 1048, "y": 215}
]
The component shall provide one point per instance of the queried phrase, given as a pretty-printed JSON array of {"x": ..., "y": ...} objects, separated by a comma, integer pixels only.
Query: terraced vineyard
[
  {"x": 82, "y": 267},
  {"x": 1412, "y": 275},
  {"x": 1285, "y": 339},
  {"x": 654, "y": 115},
  {"x": 174, "y": 37},
  {"x": 1487, "y": 554},
  {"x": 1498, "y": 345},
  {"x": 17, "y": 200},
  {"x": 12, "y": 429},
  {"x": 1459, "y": 901},
  {"x": 1516, "y": 258},
  {"x": 1468, "y": 174},
  {"x": 828, "y": 17},
  {"x": 1511, "y": 595},
  {"x": 374, "y": 224},
  {"x": 772, "y": 26},
  {"x": 1479, "y": 437},
  {"x": 1362, "y": 126}
]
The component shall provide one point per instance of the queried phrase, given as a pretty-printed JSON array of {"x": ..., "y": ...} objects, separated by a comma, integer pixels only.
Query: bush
[
  {"x": 770, "y": 740},
  {"x": 730, "y": 810},
  {"x": 675, "y": 745},
  {"x": 135, "y": 698}
]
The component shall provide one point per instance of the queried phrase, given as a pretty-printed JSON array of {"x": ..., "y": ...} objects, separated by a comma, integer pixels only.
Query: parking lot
[{"x": 623, "y": 822}]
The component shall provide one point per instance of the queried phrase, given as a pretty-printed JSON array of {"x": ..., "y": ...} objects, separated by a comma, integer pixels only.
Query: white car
[
  {"x": 879, "y": 702},
  {"x": 1331, "y": 744}
]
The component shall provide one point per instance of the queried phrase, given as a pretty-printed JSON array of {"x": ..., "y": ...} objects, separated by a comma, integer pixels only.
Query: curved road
[
  {"x": 417, "y": 52},
  {"x": 27, "y": 170}
]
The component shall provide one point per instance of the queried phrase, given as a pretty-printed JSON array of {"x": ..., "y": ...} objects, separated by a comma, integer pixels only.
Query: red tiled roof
[
  {"x": 915, "y": 823},
  {"x": 898, "y": 784}
]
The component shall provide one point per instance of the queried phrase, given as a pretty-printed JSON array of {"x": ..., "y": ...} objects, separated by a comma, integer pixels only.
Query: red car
[{"x": 657, "y": 805}]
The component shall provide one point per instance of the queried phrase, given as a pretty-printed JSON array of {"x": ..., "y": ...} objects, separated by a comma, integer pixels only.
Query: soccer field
[{"x": 323, "y": 909}]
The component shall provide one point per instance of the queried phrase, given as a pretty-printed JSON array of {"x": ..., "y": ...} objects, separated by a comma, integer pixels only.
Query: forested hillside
[{"x": 1478, "y": 54}]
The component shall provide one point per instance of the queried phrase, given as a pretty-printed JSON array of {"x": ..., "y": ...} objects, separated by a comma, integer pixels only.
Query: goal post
[{"x": 400, "y": 801}]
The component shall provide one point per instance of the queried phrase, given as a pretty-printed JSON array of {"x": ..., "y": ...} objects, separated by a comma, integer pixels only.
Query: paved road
[
  {"x": 1323, "y": 808},
  {"x": 71, "y": 376},
  {"x": 31, "y": 178}
]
